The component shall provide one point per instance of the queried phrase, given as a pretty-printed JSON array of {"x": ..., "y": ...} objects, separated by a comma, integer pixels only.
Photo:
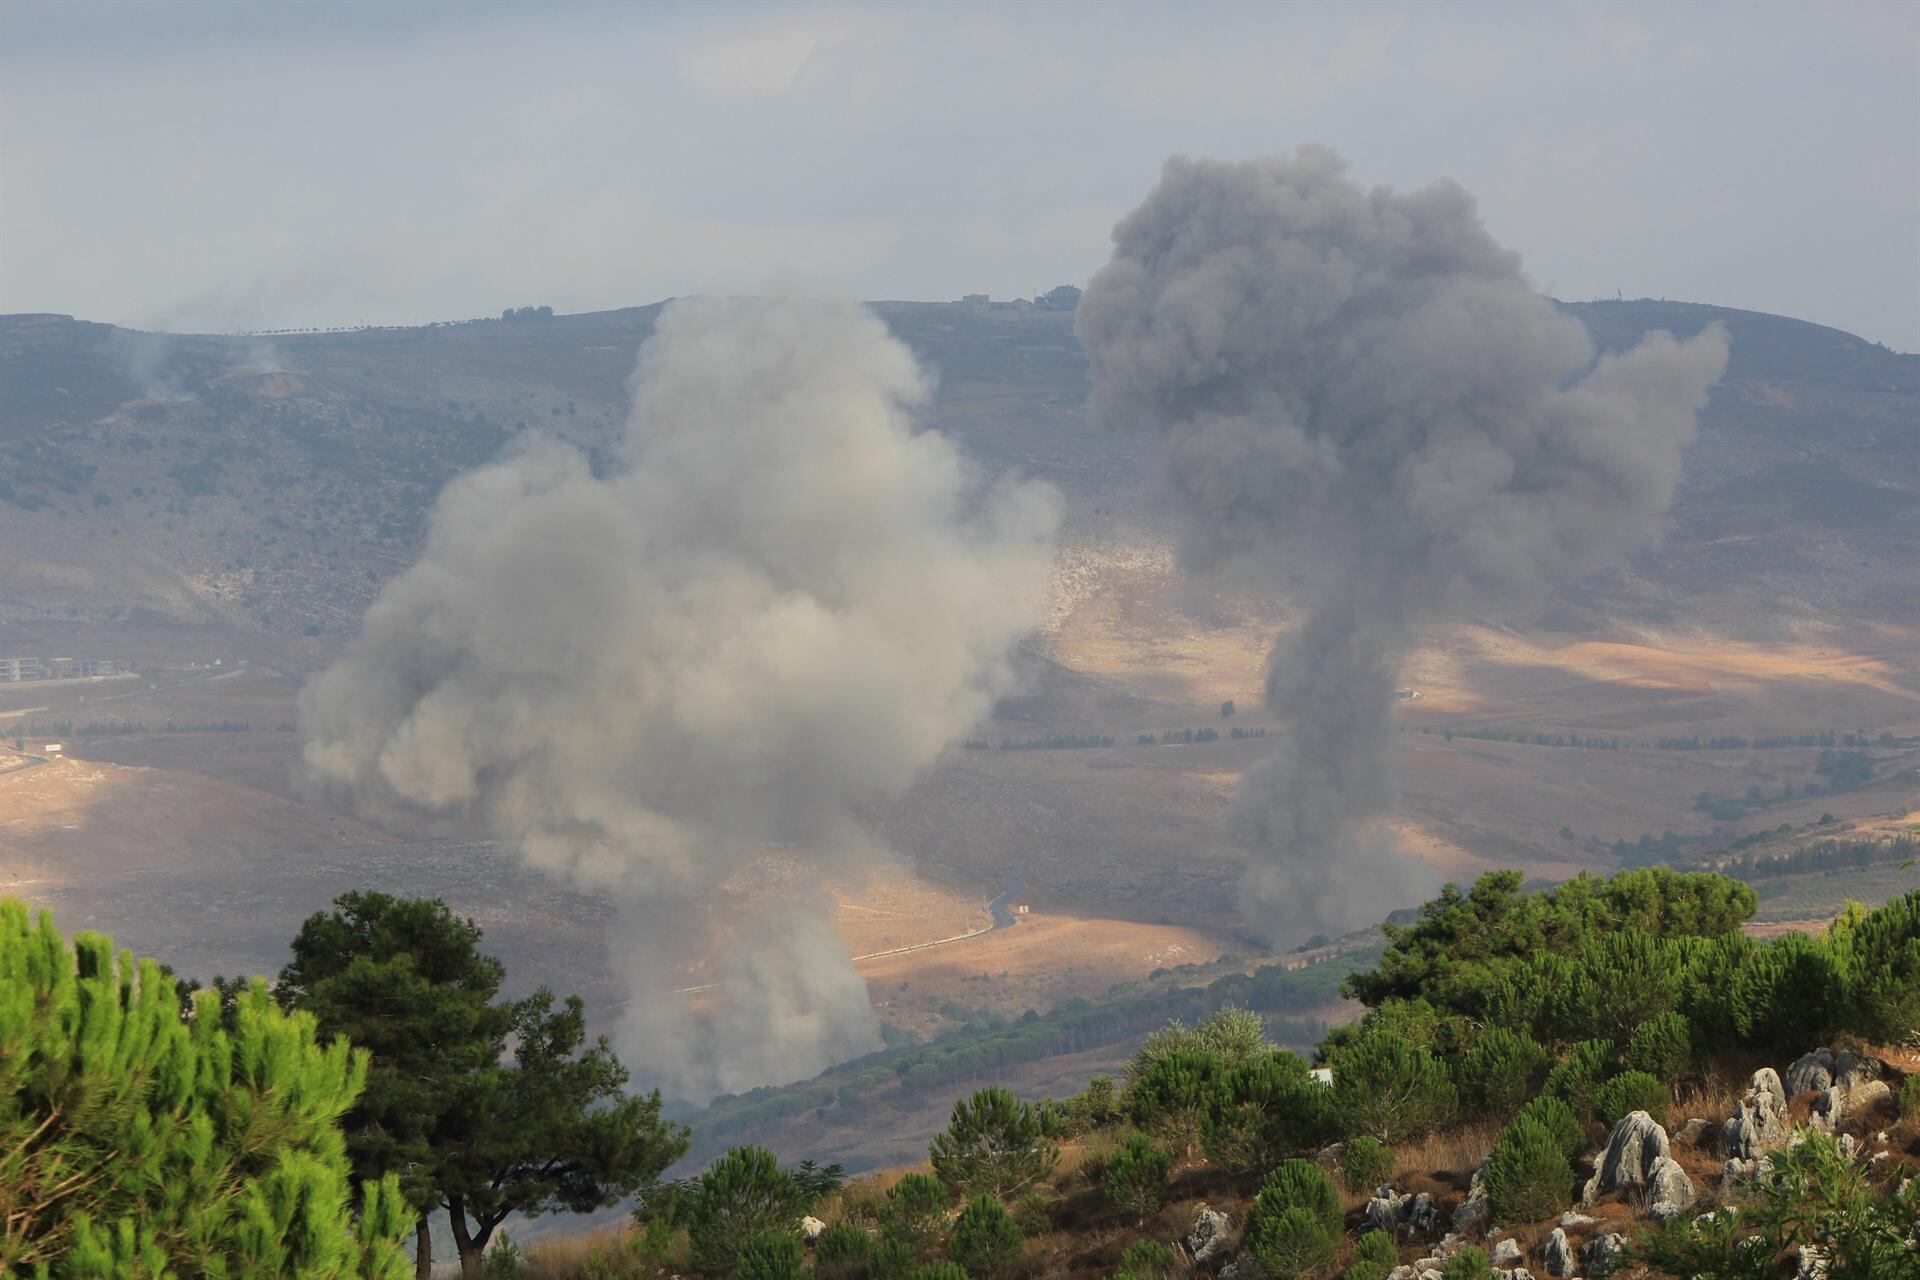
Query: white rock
[
  {"x": 1507, "y": 1253},
  {"x": 810, "y": 1228},
  {"x": 1208, "y": 1239},
  {"x": 1558, "y": 1254},
  {"x": 1809, "y": 1073},
  {"x": 1635, "y": 1149},
  {"x": 1670, "y": 1191}
]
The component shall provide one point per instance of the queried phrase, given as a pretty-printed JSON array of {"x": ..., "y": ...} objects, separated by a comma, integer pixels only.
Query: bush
[
  {"x": 1267, "y": 1109},
  {"x": 1628, "y": 1092},
  {"x": 1148, "y": 1260},
  {"x": 1909, "y": 1097},
  {"x": 1291, "y": 1244},
  {"x": 744, "y": 1195},
  {"x": 1788, "y": 995},
  {"x": 1366, "y": 1164},
  {"x": 986, "y": 1239},
  {"x": 1467, "y": 1264},
  {"x": 1300, "y": 1184},
  {"x": 1502, "y": 1070},
  {"x": 1528, "y": 1176},
  {"x": 1580, "y": 1073},
  {"x": 1175, "y": 1094},
  {"x": 1377, "y": 1247},
  {"x": 1094, "y": 1107},
  {"x": 1033, "y": 1215},
  {"x": 1557, "y": 1118},
  {"x": 504, "y": 1259},
  {"x": 770, "y": 1255},
  {"x": 1880, "y": 961},
  {"x": 1662, "y": 1047},
  {"x": 841, "y": 1252},
  {"x": 994, "y": 1144},
  {"x": 1135, "y": 1179},
  {"x": 136, "y": 1143},
  {"x": 916, "y": 1210},
  {"x": 1392, "y": 1090},
  {"x": 891, "y": 1258},
  {"x": 939, "y": 1271}
]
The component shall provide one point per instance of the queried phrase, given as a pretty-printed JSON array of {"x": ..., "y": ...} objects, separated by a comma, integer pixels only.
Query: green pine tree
[{"x": 137, "y": 1144}]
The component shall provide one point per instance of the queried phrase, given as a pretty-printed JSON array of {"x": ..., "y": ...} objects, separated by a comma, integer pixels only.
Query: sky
[{"x": 183, "y": 165}]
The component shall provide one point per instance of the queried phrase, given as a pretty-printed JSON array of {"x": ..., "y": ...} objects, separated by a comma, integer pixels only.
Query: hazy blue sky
[{"x": 182, "y": 164}]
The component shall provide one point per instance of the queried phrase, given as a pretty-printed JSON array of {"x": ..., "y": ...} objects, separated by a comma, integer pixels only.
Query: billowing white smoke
[
  {"x": 1359, "y": 388},
  {"x": 779, "y": 611}
]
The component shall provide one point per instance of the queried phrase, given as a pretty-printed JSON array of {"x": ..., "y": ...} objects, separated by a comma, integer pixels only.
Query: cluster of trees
[
  {"x": 1531, "y": 739},
  {"x": 1823, "y": 855},
  {"x": 1591, "y": 961},
  {"x": 1180, "y": 737},
  {"x": 985, "y": 1045},
  {"x": 527, "y": 313},
  {"x": 1056, "y": 742},
  {"x": 157, "y": 1128}
]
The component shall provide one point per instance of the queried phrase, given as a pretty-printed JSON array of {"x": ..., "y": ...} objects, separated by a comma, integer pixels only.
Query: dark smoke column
[{"x": 1358, "y": 387}]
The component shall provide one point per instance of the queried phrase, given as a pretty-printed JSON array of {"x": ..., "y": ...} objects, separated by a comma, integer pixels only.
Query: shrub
[
  {"x": 1148, "y": 1260},
  {"x": 769, "y": 1255},
  {"x": 1094, "y": 1107},
  {"x": 939, "y": 1271},
  {"x": 1788, "y": 995},
  {"x": 1300, "y": 1184},
  {"x": 1175, "y": 1094},
  {"x": 1135, "y": 1179},
  {"x": 986, "y": 1239},
  {"x": 136, "y": 1143},
  {"x": 1392, "y": 1090},
  {"x": 841, "y": 1252},
  {"x": 1557, "y": 1118},
  {"x": 1366, "y": 1164},
  {"x": 1909, "y": 1097},
  {"x": 994, "y": 1144},
  {"x": 1467, "y": 1264},
  {"x": 744, "y": 1195},
  {"x": 1662, "y": 1047},
  {"x": 1267, "y": 1109},
  {"x": 891, "y": 1258},
  {"x": 1580, "y": 1073},
  {"x": 1232, "y": 1035},
  {"x": 1032, "y": 1215},
  {"x": 1528, "y": 1177},
  {"x": 1291, "y": 1244},
  {"x": 1502, "y": 1070},
  {"x": 1378, "y": 1248},
  {"x": 504, "y": 1259},
  {"x": 1628, "y": 1092},
  {"x": 916, "y": 1209},
  {"x": 1880, "y": 961}
]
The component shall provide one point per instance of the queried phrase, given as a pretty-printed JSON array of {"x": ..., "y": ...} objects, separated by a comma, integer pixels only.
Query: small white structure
[
  {"x": 54, "y": 748},
  {"x": 1322, "y": 1074}
]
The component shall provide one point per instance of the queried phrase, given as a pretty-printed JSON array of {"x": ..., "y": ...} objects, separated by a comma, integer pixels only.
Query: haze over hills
[
  {"x": 272, "y": 483},
  {"x": 173, "y": 500}
]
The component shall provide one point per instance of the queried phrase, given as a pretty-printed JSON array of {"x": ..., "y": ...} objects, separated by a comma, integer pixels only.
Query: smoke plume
[
  {"x": 780, "y": 611},
  {"x": 1358, "y": 387}
]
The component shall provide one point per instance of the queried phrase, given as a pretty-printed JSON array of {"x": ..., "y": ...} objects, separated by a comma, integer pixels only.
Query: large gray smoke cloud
[
  {"x": 1359, "y": 387},
  {"x": 779, "y": 612}
]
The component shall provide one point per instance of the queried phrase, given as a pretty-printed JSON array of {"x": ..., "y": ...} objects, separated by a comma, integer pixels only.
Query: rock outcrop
[
  {"x": 1759, "y": 1121},
  {"x": 1639, "y": 1155},
  {"x": 1507, "y": 1253},
  {"x": 1558, "y": 1254},
  {"x": 1473, "y": 1213},
  {"x": 1810, "y": 1073},
  {"x": 1602, "y": 1251},
  {"x": 1210, "y": 1240},
  {"x": 1401, "y": 1215},
  {"x": 810, "y": 1228}
]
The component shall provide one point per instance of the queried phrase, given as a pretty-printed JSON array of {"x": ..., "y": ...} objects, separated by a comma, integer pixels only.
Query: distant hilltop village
[
  {"x": 1059, "y": 298},
  {"x": 14, "y": 670}
]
